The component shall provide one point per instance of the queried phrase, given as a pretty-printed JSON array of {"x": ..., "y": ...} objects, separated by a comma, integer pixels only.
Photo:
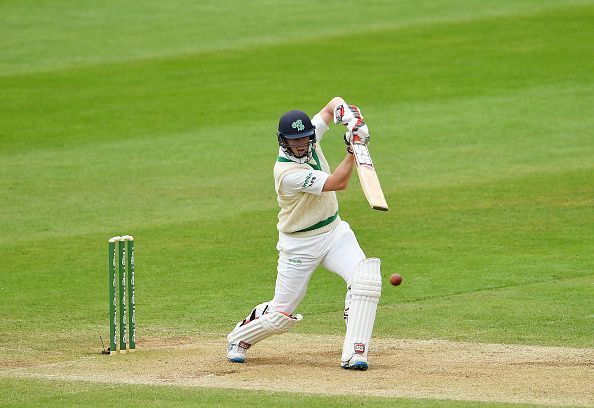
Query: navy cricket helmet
[{"x": 296, "y": 124}]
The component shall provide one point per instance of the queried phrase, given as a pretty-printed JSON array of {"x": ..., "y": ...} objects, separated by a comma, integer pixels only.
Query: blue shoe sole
[
  {"x": 237, "y": 360},
  {"x": 360, "y": 366}
]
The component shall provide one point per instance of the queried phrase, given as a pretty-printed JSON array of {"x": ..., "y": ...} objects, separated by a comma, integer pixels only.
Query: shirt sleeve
[
  {"x": 306, "y": 181},
  {"x": 321, "y": 126}
]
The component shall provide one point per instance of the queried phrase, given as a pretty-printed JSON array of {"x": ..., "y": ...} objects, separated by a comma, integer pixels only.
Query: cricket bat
[{"x": 368, "y": 177}]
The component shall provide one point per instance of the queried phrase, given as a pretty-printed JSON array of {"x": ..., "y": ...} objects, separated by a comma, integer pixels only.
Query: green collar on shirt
[{"x": 315, "y": 166}]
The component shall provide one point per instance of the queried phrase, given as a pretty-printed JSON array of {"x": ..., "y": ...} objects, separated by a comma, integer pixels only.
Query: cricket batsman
[{"x": 311, "y": 233}]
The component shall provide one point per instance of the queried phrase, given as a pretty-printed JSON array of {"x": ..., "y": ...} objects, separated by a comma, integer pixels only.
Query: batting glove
[
  {"x": 357, "y": 121},
  {"x": 358, "y": 135},
  {"x": 343, "y": 114},
  {"x": 347, "y": 136},
  {"x": 356, "y": 111}
]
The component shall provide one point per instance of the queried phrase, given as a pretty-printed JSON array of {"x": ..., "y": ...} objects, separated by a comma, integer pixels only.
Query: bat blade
[{"x": 368, "y": 177}]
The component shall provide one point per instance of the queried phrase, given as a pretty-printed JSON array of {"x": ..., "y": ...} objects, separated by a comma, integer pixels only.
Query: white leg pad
[
  {"x": 366, "y": 289},
  {"x": 264, "y": 326}
]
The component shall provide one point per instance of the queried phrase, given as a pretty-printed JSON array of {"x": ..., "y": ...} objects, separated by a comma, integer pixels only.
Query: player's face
[{"x": 299, "y": 146}]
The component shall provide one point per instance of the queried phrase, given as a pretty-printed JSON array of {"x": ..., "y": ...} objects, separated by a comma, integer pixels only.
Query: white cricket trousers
[{"x": 336, "y": 250}]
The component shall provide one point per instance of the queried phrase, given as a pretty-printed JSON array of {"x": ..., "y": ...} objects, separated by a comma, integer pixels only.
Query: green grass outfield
[
  {"x": 43, "y": 394},
  {"x": 158, "y": 119}
]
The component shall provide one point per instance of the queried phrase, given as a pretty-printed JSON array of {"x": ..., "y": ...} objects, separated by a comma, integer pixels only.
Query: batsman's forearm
[
  {"x": 327, "y": 112},
  {"x": 337, "y": 100},
  {"x": 346, "y": 166},
  {"x": 342, "y": 174}
]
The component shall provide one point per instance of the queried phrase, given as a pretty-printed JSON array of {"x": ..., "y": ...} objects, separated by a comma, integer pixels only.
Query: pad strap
[{"x": 266, "y": 325}]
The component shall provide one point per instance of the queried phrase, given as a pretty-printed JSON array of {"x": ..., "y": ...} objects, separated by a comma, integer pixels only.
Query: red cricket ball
[{"x": 395, "y": 279}]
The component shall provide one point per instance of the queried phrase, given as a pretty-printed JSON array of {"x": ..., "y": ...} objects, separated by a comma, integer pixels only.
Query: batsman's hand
[
  {"x": 343, "y": 114},
  {"x": 357, "y": 128},
  {"x": 352, "y": 118},
  {"x": 361, "y": 136}
]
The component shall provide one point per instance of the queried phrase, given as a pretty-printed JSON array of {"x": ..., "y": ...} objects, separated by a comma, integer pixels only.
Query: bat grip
[{"x": 354, "y": 138}]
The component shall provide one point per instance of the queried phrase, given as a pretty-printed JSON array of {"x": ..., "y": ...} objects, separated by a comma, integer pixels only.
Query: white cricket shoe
[
  {"x": 235, "y": 353},
  {"x": 357, "y": 362}
]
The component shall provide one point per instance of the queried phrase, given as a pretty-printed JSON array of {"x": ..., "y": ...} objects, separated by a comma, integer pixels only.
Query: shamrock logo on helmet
[{"x": 298, "y": 125}]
